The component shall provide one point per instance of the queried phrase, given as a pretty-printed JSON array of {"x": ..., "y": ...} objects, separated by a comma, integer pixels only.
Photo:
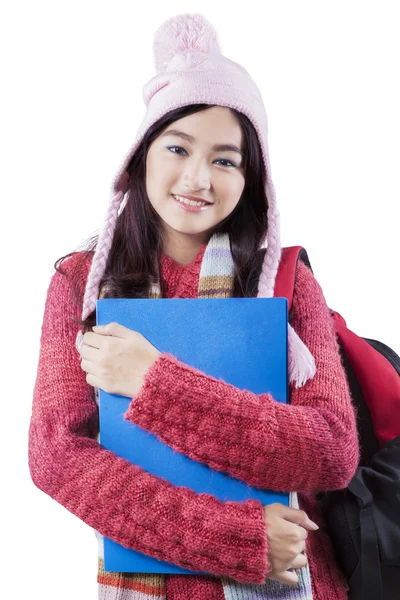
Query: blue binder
[{"x": 242, "y": 341}]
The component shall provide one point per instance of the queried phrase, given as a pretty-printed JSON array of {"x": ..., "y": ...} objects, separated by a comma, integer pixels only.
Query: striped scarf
[{"x": 215, "y": 281}]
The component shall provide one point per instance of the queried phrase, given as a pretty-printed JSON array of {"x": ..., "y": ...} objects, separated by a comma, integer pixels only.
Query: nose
[{"x": 197, "y": 176}]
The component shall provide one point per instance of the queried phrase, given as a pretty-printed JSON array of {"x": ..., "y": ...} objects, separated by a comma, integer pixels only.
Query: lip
[
  {"x": 189, "y": 208},
  {"x": 196, "y": 198}
]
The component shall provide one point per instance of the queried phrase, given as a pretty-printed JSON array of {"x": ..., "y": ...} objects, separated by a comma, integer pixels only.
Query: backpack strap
[
  {"x": 284, "y": 282},
  {"x": 379, "y": 379},
  {"x": 382, "y": 366}
]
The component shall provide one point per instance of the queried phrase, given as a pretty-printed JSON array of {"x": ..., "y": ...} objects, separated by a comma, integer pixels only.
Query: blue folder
[{"x": 242, "y": 341}]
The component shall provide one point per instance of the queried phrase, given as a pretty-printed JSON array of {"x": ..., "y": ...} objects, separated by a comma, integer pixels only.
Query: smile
[{"x": 190, "y": 205}]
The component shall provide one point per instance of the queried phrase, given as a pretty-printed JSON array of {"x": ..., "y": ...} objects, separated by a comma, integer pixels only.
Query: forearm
[
  {"x": 118, "y": 499},
  {"x": 308, "y": 445},
  {"x": 260, "y": 441},
  {"x": 144, "y": 512}
]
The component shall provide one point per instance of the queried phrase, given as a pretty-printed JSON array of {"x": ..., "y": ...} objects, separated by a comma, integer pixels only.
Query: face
[{"x": 199, "y": 155}]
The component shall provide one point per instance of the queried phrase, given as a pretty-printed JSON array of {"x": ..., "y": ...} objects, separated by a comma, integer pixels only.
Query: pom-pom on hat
[
  {"x": 191, "y": 69},
  {"x": 182, "y": 35}
]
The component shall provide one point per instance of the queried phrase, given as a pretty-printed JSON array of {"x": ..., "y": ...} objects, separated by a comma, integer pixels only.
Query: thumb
[{"x": 300, "y": 517}]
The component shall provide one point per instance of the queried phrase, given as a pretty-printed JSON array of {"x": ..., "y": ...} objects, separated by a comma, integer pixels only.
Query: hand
[
  {"x": 116, "y": 359},
  {"x": 286, "y": 533}
]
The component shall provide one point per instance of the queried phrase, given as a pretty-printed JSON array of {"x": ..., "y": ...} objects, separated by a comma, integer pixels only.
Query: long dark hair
[{"x": 138, "y": 241}]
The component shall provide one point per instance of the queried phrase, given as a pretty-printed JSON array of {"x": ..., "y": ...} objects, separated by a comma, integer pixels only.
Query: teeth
[{"x": 189, "y": 202}]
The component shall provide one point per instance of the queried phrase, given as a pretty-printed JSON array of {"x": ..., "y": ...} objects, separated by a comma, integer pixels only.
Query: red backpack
[{"x": 364, "y": 518}]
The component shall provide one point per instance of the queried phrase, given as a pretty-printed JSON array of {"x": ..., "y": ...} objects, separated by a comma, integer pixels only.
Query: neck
[{"x": 183, "y": 248}]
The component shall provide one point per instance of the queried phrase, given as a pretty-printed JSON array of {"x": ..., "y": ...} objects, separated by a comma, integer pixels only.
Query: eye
[
  {"x": 224, "y": 160},
  {"x": 179, "y": 148},
  {"x": 231, "y": 164}
]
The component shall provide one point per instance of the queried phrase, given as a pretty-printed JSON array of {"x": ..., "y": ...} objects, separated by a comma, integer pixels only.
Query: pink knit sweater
[{"x": 307, "y": 446}]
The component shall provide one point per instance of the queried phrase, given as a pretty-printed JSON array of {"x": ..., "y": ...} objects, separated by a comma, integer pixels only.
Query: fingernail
[{"x": 314, "y": 525}]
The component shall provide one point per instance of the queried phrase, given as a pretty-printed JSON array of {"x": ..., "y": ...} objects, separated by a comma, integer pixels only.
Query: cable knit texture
[
  {"x": 307, "y": 446},
  {"x": 117, "y": 498},
  {"x": 241, "y": 433}
]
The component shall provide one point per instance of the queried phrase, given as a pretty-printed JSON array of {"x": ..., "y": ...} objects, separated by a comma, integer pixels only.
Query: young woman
[{"x": 192, "y": 209}]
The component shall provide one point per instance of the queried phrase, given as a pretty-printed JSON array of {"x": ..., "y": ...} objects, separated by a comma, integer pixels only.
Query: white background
[{"x": 72, "y": 75}]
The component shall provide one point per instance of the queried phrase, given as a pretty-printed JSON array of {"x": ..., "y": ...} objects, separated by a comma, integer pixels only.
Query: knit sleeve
[
  {"x": 120, "y": 500},
  {"x": 310, "y": 444}
]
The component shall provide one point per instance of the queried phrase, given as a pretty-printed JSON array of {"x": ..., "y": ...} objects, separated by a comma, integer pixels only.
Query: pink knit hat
[{"x": 191, "y": 69}]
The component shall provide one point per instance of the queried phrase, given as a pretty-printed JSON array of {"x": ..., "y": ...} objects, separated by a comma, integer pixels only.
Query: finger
[
  {"x": 301, "y": 547},
  {"x": 89, "y": 353},
  {"x": 90, "y": 368},
  {"x": 303, "y": 533},
  {"x": 93, "y": 380},
  {"x": 299, "y": 562},
  {"x": 288, "y": 577},
  {"x": 102, "y": 340},
  {"x": 115, "y": 329},
  {"x": 91, "y": 339},
  {"x": 299, "y": 517}
]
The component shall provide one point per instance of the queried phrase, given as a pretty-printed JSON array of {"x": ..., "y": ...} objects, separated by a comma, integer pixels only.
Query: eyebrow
[{"x": 191, "y": 139}]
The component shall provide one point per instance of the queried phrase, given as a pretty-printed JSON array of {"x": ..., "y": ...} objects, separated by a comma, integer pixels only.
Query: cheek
[
  {"x": 232, "y": 191},
  {"x": 160, "y": 179}
]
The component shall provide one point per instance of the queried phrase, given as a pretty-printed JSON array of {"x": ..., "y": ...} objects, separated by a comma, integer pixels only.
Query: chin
[{"x": 187, "y": 230}]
